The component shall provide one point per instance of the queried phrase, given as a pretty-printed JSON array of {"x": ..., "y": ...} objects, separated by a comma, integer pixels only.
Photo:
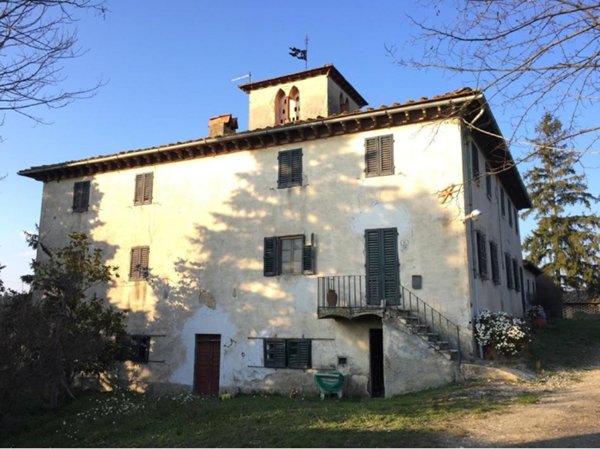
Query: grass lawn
[
  {"x": 567, "y": 344},
  {"x": 130, "y": 419}
]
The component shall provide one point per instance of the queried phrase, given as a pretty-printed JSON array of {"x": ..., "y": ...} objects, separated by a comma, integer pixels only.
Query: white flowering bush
[{"x": 501, "y": 331}]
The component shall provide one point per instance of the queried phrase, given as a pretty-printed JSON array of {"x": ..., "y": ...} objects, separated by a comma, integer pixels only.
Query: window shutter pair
[
  {"x": 379, "y": 155},
  {"x": 475, "y": 162},
  {"x": 287, "y": 353},
  {"x": 481, "y": 254},
  {"x": 272, "y": 253},
  {"x": 81, "y": 196},
  {"x": 290, "y": 168},
  {"x": 516, "y": 274},
  {"x": 143, "y": 188},
  {"x": 139, "y": 262},
  {"x": 382, "y": 265}
]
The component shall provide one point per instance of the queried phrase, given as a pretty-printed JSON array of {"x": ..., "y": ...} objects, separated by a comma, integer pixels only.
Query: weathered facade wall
[
  {"x": 497, "y": 227},
  {"x": 205, "y": 230}
]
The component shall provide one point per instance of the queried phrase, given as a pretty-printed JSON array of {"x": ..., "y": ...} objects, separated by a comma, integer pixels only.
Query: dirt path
[{"x": 569, "y": 416}]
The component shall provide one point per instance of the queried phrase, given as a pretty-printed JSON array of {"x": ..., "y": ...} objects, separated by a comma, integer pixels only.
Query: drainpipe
[{"x": 467, "y": 174}]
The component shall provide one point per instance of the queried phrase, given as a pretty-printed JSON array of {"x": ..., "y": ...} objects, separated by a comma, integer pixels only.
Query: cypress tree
[{"x": 566, "y": 242}]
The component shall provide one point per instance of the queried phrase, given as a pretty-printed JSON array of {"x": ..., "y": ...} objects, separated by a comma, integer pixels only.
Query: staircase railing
[{"x": 432, "y": 318}]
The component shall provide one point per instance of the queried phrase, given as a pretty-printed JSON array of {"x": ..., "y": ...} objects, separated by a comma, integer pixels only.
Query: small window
[
  {"x": 502, "y": 206},
  {"x": 510, "y": 215},
  {"x": 495, "y": 266},
  {"x": 281, "y": 108},
  {"x": 143, "y": 188},
  {"x": 81, "y": 196},
  {"x": 379, "y": 156},
  {"x": 475, "y": 163},
  {"x": 295, "y": 353},
  {"x": 481, "y": 254},
  {"x": 138, "y": 348},
  {"x": 516, "y": 221},
  {"x": 417, "y": 281},
  {"x": 488, "y": 180},
  {"x": 294, "y": 104},
  {"x": 288, "y": 255},
  {"x": 290, "y": 169},
  {"x": 509, "y": 272},
  {"x": 138, "y": 264}
]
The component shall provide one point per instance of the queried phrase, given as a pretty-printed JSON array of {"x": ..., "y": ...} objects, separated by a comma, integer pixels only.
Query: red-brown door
[{"x": 207, "y": 366}]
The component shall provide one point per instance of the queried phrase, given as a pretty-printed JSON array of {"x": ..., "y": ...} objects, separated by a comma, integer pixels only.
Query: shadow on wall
[{"x": 217, "y": 286}]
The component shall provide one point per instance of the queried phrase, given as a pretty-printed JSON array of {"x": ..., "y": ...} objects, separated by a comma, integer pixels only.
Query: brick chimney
[{"x": 222, "y": 125}]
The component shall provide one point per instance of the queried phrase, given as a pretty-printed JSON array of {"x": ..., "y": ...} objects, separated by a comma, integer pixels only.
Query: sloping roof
[
  {"x": 328, "y": 70},
  {"x": 464, "y": 103}
]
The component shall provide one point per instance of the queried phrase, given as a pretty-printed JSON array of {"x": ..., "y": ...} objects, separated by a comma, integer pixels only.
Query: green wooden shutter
[
  {"x": 309, "y": 256},
  {"x": 85, "y": 196},
  {"x": 373, "y": 266},
  {"x": 144, "y": 261},
  {"x": 139, "y": 189},
  {"x": 391, "y": 271},
  {"x": 271, "y": 256},
  {"x": 296, "y": 168},
  {"x": 134, "y": 262},
  {"x": 495, "y": 266},
  {"x": 372, "y": 157},
  {"x": 481, "y": 254},
  {"x": 285, "y": 169},
  {"x": 298, "y": 353},
  {"x": 509, "y": 278},
  {"x": 274, "y": 352},
  {"x": 148, "y": 185},
  {"x": 386, "y": 149}
]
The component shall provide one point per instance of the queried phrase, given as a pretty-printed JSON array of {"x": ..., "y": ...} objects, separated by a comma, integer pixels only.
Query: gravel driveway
[{"x": 567, "y": 416}]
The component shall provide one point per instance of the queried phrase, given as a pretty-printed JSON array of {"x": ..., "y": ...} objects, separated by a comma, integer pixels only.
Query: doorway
[
  {"x": 376, "y": 362},
  {"x": 207, "y": 367}
]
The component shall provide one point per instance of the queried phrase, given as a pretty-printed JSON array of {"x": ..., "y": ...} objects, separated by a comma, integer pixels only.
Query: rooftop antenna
[
  {"x": 301, "y": 54},
  {"x": 247, "y": 75}
]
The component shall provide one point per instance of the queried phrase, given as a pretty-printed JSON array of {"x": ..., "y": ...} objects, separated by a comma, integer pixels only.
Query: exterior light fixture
[{"x": 474, "y": 215}]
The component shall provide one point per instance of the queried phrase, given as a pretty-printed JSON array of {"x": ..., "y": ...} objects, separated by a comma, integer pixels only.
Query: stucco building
[{"x": 325, "y": 237}]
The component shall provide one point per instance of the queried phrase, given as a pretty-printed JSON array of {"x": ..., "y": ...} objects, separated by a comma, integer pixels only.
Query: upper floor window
[
  {"x": 481, "y": 254},
  {"x": 143, "y": 188},
  {"x": 290, "y": 168},
  {"x": 138, "y": 263},
  {"x": 281, "y": 107},
  {"x": 294, "y": 104},
  {"x": 379, "y": 156},
  {"x": 495, "y": 266},
  {"x": 287, "y": 107},
  {"x": 475, "y": 163},
  {"x": 502, "y": 205},
  {"x": 516, "y": 221},
  {"x": 81, "y": 196},
  {"x": 510, "y": 214},
  {"x": 509, "y": 272},
  {"x": 288, "y": 255},
  {"x": 488, "y": 180}
]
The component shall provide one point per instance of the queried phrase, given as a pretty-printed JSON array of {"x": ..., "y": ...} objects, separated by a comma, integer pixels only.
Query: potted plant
[{"x": 537, "y": 316}]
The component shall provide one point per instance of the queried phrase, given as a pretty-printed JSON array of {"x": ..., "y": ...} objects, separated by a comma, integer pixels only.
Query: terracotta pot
[{"x": 332, "y": 298}]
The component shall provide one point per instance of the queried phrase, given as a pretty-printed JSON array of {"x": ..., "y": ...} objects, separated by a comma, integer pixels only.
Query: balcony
[{"x": 351, "y": 301}]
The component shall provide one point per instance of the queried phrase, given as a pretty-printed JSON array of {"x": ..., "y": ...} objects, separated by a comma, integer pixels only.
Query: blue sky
[{"x": 168, "y": 66}]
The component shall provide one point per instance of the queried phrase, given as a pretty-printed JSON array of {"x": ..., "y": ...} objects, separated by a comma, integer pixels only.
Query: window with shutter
[
  {"x": 139, "y": 262},
  {"x": 510, "y": 215},
  {"x": 290, "y": 168},
  {"x": 516, "y": 221},
  {"x": 382, "y": 265},
  {"x": 475, "y": 163},
  {"x": 515, "y": 268},
  {"x": 379, "y": 156},
  {"x": 288, "y": 255},
  {"x": 143, "y": 188},
  {"x": 509, "y": 275},
  {"x": 488, "y": 180},
  {"x": 481, "y": 254},
  {"x": 495, "y": 266},
  {"x": 81, "y": 196},
  {"x": 295, "y": 353},
  {"x": 502, "y": 206},
  {"x": 139, "y": 348}
]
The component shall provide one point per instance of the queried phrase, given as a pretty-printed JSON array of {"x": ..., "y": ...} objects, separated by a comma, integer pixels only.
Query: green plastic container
[{"x": 329, "y": 382}]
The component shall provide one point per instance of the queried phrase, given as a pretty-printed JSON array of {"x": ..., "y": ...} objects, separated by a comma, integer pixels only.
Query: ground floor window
[{"x": 288, "y": 353}]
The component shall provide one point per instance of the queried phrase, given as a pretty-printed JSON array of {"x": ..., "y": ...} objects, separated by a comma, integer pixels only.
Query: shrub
[{"x": 502, "y": 331}]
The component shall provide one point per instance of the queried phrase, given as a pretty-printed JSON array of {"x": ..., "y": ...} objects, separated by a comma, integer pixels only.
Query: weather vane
[{"x": 301, "y": 54}]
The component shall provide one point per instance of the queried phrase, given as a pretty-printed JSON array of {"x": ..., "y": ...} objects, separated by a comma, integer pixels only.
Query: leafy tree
[
  {"x": 62, "y": 330},
  {"x": 565, "y": 244},
  {"x": 534, "y": 55}
]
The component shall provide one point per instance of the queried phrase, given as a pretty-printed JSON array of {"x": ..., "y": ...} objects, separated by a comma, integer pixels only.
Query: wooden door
[{"x": 207, "y": 364}]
